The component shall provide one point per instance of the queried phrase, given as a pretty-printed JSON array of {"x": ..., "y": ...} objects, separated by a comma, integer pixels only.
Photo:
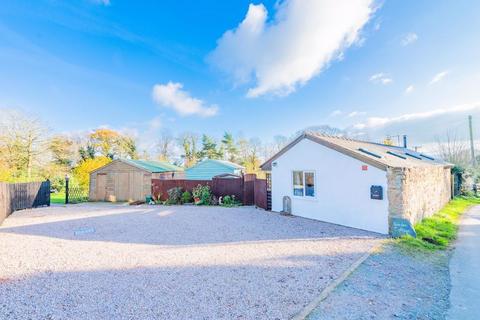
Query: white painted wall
[{"x": 342, "y": 188}]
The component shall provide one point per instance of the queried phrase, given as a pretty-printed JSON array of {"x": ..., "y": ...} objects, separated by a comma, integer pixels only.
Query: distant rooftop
[{"x": 154, "y": 166}]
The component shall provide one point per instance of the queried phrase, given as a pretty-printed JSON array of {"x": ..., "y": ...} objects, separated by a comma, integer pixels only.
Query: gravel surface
[
  {"x": 392, "y": 284},
  {"x": 103, "y": 261}
]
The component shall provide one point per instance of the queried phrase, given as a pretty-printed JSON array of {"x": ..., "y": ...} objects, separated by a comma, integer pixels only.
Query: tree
[
  {"x": 249, "y": 151},
  {"x": 62, "y": 149},
  {"x": 229, "y": 147},
  {"x": 87, "y": 152},
  {"x": 209, "y": 148},
  {"x": 81, "y": 173},
  {"x": 165, "y": 146},
  {"x": 452, "y": 150},
  {"x": 279, "y": 142},
  {"x": 110, "y": 143},
  {"x": 188, "y": 142},
  {"x": 22, "y": 144},
  {"x": 127, "y": 147}
]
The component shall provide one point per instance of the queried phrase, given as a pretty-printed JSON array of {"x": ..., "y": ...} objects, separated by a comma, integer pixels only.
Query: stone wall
[{"x": 416, "y": 193}]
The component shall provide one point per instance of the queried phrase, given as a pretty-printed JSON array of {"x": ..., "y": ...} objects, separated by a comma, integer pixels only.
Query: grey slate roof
[{"x": 376, "y": 154}]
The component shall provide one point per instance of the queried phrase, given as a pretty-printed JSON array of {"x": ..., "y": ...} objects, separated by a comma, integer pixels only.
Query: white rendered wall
[{"x": 342, "y": 188}]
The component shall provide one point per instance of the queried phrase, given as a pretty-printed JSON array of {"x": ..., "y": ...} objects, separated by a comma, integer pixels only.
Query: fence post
[{"x": 67, "y": 178}]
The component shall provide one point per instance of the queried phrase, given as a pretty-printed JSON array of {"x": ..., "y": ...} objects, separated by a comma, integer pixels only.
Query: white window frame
[{"x": 305, "y": 185}]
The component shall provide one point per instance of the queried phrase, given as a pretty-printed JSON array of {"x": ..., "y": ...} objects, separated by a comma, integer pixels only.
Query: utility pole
[{"x": 472, "y": 149}]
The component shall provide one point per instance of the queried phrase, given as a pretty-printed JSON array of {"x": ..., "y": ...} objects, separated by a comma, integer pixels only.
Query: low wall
[{"x": 416, "y": 193}]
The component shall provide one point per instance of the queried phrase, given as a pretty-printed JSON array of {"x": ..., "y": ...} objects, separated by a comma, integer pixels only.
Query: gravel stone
[
  {"x": 168, "y": 262},
  {"x": 392, "y": 284}
]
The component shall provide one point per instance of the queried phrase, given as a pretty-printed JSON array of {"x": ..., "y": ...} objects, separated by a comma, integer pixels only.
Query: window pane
[
  {"x": 298, "y": 183},
  {"x": 309, "y": 184}
]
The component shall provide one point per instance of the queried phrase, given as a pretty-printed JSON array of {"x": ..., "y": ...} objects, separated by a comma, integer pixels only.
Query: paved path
[{"x": 465, "y": 269}]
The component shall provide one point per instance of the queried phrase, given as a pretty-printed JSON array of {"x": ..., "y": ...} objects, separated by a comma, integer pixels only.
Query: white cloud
[
  {"x": 409, "y": 38},
  {"x": 439, "y": 77},
  {"x": 381, "y": 78},
  {"x": 336, "y": 113},
  {"x": 409, "y": 89},
  {"x": 172, "y": 96},
  {"x": 375, "y": 122},
  {"x": 299, "y": 42},
  {"x": 356, "y": 114}
]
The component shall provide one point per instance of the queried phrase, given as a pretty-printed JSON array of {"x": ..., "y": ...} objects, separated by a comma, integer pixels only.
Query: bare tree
[
  {"x": 453, "y": 150},
  {"x": 23, "y": 141},
  {"x": 165, "y": 146},
  {"x": 189, "y": 142}
]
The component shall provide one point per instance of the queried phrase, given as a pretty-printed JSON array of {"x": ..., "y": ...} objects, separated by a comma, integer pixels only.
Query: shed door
[
  {"x": 122, "y": 186},
  {"x": 101, "y": 186}
]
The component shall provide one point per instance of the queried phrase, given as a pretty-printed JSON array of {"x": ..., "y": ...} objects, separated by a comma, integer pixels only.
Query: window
[
  {"x": 298, "y": 185},
  {"x": 303, "y": 183}
]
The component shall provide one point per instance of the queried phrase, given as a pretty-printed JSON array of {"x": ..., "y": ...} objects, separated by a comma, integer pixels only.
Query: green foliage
[
  {"x": 439, "y": 230},
  {"x": 202, "y": 195},
  {"x": 209, "y": 148},
  {"x": 227, "y": 201},
  {"x": 186, "y": 197},
  {"x": 81, "y": 173},
  {"x": 110, "y": 143},
  {"x": 174, "y": 195},
  {"x": 62, "y": 150},
  {"x": 188, "y": 141},
  {"x": 230, "y": 201},
  {"x": 229, "y": 147},
  {"x": 87, "y": 152}
]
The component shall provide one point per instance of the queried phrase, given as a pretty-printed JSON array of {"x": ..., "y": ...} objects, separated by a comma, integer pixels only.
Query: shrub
[
  {"x": 174, "y": 195},
  {"x": 230, "y": 201},
  {"x": 202, "y": 195},
  {"x": 227, "y": 201},
  {"x": 186, "y": 197}
]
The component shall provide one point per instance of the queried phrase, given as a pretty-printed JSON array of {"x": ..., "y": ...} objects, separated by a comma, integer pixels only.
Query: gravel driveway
[{"x": 104, "y": 261}]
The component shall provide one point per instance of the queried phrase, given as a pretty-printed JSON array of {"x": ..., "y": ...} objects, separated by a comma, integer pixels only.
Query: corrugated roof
[
  {"x": 153, "y": 166},
  {"x": 379, "y": 155},
  {"x": 209, "y": 168}
]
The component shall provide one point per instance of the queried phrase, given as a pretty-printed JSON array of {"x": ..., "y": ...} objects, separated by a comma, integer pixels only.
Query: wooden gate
[
  {"x": 260, "y": 193},
  {"x": 18, "y": 196}
]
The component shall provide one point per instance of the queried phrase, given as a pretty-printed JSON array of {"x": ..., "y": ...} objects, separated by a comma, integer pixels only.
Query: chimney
[{"x": 405, "y": 141}]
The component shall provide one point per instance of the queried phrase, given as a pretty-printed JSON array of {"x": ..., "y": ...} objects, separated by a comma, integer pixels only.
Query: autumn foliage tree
[
  {"x": 82, "y": 171},
  {"x": 110, "y": 143}
]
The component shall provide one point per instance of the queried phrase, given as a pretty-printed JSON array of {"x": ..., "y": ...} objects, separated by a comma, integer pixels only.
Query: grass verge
[
  {"x": 439, "y": 230},
  {"x": 57, "y": 198}
]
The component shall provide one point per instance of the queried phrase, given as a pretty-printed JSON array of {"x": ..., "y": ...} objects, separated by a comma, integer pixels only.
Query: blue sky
[{"x": 409, "y": 67}]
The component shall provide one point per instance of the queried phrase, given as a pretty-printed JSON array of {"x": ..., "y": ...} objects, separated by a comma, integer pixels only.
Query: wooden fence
[
  {"x": 18, "y": 196},
  {"x": 247, "y": 189}
]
